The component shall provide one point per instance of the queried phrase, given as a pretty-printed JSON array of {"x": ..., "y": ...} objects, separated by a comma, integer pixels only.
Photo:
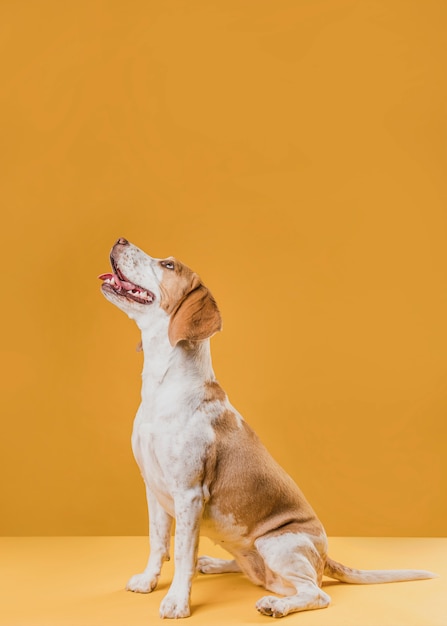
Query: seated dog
[{"x": 203, "y": 465}]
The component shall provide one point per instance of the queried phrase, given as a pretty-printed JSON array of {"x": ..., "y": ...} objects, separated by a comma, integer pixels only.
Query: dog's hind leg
[
  {"x": 210, "y": 565},
  {"x": 296, "y": 565}
]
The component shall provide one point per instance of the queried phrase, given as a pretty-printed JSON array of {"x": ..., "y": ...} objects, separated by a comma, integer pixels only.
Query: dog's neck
[{"x": 189, "y": 363}]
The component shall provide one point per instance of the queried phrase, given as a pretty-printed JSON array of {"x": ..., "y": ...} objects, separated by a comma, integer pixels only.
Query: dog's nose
[{"x": 122, "y": 242}]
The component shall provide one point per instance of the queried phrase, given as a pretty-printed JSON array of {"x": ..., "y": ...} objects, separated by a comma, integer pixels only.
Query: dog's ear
[{"x": 196, "y": 318}]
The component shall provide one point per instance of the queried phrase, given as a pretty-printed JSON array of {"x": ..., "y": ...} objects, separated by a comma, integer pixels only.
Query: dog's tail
[{"x": 365, "y": 577}]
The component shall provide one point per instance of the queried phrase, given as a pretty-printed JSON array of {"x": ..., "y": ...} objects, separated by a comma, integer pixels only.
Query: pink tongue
[{"x": 124, "y": 284}]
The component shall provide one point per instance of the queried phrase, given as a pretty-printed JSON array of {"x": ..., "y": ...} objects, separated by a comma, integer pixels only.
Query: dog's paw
[
  {"x": 173, "y": 608},
  {"x": 207, "y": 565},
  {"x": 142, "y": 583},
  {"x": 272, "y": 606},
  {"x": 210, "y": 565}
]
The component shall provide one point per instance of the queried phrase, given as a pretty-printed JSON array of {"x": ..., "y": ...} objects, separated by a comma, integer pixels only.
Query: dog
[{"x": 202, "y": 464}]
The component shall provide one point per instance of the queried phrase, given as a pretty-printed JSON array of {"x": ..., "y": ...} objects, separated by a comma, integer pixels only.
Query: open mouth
[{"x": 119, "y": 284}]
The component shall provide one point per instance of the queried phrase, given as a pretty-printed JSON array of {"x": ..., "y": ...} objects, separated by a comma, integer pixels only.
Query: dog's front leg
[
  {"x": 160, "y": 524},
  {"x": 188, "y": 513}
]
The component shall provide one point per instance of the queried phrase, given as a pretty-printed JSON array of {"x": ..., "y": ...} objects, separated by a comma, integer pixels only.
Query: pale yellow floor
[{"x": 79, "y": 581}]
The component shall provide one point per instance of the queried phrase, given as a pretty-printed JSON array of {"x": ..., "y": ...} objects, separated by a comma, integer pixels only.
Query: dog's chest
[{"x": 170, "y": 448}]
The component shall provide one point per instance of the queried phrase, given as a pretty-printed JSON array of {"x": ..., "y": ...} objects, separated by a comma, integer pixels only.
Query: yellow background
[{"x": 291, "y": 152}]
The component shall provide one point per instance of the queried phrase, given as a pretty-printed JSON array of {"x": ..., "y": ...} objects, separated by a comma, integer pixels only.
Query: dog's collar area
[{"x": 123, "y": 287}]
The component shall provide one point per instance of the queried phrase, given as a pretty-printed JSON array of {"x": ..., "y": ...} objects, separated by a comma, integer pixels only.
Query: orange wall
[{"x": 291, "y": 152}]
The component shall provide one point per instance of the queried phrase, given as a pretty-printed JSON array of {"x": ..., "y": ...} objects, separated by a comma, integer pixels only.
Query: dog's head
[{"x": 144, "y": 288}]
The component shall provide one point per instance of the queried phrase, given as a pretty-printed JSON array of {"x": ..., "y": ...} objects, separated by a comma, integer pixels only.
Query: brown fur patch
[
  {"x": 193, "y": 310},
  {"x": 246, "y": 483},
  {"x": 214, "y": 392},
  {"x": 176, "y": 283},
  {"x": 196, "y": 318}
]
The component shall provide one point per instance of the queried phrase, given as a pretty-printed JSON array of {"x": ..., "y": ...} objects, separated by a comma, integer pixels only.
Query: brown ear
[{"x": 196, "y": 318}]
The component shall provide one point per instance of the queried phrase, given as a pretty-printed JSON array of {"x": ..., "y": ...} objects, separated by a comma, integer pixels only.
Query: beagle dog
[{"x": 202, "y": 464}]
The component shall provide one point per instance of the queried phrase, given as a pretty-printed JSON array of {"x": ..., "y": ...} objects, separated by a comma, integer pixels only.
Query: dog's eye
[{"x": 169, "y": 265}]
